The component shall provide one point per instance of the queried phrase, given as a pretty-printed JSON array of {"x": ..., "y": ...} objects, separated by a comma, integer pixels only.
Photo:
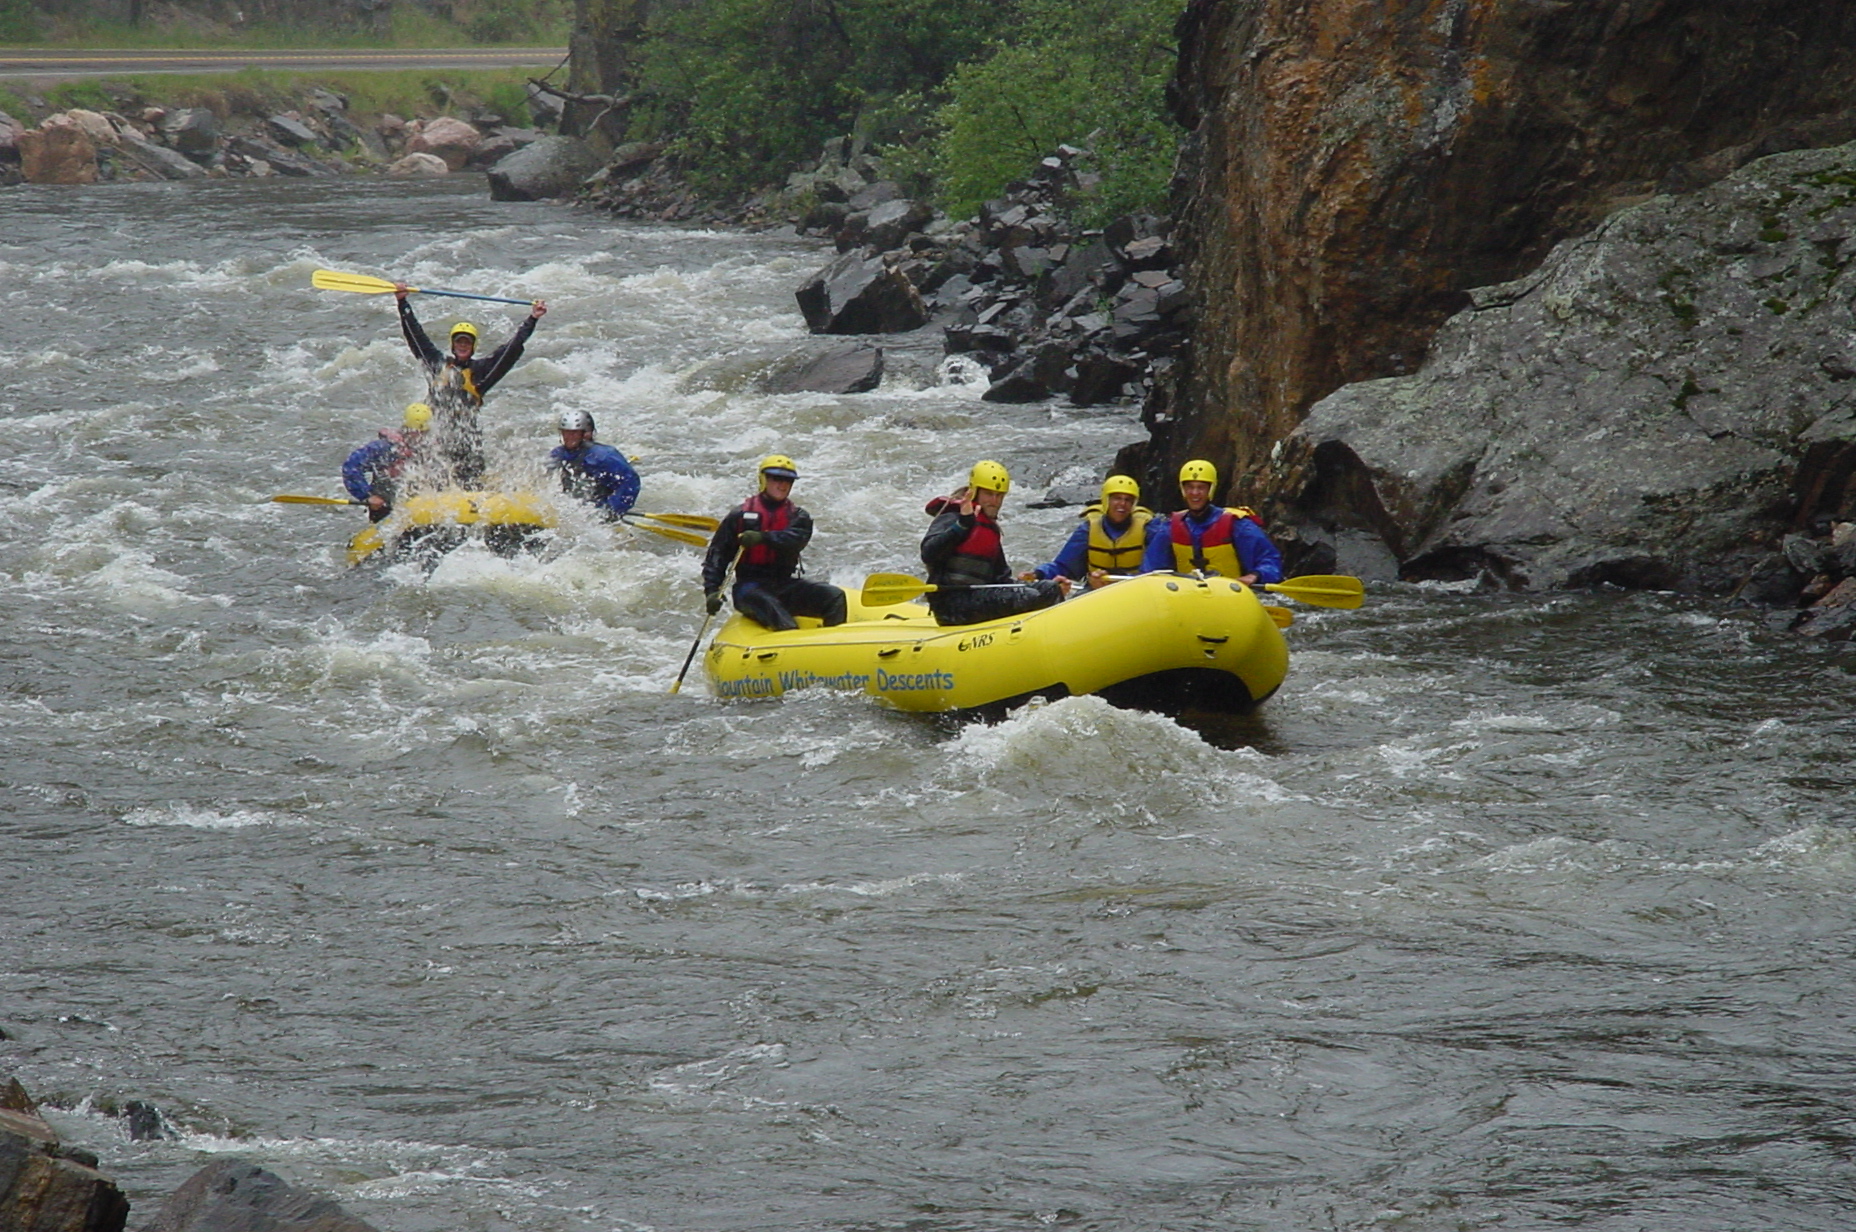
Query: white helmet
[{"x": 576, "y": 421}]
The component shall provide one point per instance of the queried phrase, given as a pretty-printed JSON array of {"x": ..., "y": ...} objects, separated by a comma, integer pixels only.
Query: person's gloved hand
[
  {"x": 712, "y": 599},
  {"x": 753, "y": 538}
]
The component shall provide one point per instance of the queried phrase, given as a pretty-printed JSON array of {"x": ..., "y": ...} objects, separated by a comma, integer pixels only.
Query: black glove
[
  {"x": 712, "y": 599},
  {"x": 752, "y": 538}
]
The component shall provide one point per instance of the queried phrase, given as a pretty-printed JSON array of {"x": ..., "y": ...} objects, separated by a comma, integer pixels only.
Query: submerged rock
[
  {"x": 849, "y": 370},
  {"x": 232, "y": 1195}
]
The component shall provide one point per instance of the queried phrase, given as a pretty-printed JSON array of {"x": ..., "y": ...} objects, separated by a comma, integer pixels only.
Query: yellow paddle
[
  {"x": 1281, "y": 616},
  {"x": 681, "y": 536},
  {"x": 884, "y": 589},
  {"x": 695, "y": 521},
  {"x": 366, "y": 284},
  {"x": 285, "y": 498},
  {"x": 1321, "y": 590}
]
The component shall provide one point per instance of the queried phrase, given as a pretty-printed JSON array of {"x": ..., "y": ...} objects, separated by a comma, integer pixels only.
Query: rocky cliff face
[{"x": 1353, "y": 170}]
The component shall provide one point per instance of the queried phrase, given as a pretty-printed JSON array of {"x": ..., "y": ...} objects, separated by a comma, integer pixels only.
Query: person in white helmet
[{"x": 590, "y": 471}]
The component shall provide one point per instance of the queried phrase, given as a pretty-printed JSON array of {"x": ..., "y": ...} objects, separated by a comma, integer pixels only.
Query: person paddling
[
  {"x": 456, "y": 383},
  {"x": 590, "y": 471},
  {"x": 372, "y": 473},
  {"x": 966, "y": 556},
  {"x": 1109, "y": 542},
  {"x": 1205, "y": 538},
  {"x": 763, "y": 540}
]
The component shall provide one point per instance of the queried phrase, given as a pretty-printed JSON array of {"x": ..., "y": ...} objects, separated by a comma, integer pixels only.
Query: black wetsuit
[{"x": 456, "y": 390}]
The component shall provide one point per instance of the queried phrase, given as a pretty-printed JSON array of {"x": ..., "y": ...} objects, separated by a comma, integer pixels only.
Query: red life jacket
[
  {"x": 1217, "y": 548},
  {"x": 980, "y": 557},
  {"x": 772, "y": 518}
]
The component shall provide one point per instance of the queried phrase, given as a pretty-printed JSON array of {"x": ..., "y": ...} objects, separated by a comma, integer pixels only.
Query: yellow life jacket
[{"x": 1117, "y": 556}]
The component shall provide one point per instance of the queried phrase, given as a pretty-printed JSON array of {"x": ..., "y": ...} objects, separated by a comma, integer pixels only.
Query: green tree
[{"x": 1085, "y": 72}]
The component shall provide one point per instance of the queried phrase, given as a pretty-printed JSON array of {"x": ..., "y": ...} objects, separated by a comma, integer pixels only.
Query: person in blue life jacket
[
  {"x": 965, "y": 556},
  {"x": 762, "y": 540},
  {"x": 590, "y": 471},
  {"x": 373, "y": 473},
  {"x": 456, "y": 383},
  {"x": 1109, "y": 541},
  {"x": 1207, "y": 538}
]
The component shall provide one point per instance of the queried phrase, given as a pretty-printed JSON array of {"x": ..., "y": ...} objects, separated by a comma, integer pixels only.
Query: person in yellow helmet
[
  {"x": 1207, "y": 538},
  {"x": 761, "y": 541},
  {"x": 372, "y": 473},
  {"x": 1110, "y": 540},
  {"x": 456, "y": 383},
  {"x": 965, "y": 556}
]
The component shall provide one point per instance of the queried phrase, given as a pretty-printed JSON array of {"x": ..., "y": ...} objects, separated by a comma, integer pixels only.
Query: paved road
[{"x": 62, "y": 63}]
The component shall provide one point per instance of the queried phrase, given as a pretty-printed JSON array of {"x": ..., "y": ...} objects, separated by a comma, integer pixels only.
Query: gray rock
[
  {"x": 861, "y": 295},
  {"x": 191, "y": 130},
  {"x": 232, "y": 1195},
  {"x": 551, "y": 167},
  {"x": 887, "y": 225},
  {"x": 293, "y": 132},
  {"x": 848, "y": 370},
  {"x": 166, "y": 163},
  {"x": 47, "y": 1187},
  {"x": 1645, "y": 409}
]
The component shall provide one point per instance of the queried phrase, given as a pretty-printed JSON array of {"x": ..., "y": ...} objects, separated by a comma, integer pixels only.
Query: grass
[{"x": 411, "y": 27}]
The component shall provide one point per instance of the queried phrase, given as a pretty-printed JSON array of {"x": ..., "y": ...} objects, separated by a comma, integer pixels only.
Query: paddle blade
[
  {"x": 694, "y": 521},
  {"x": 1322, "y": 590},
  {"x": 286, "y": 498},
  {"x": 1281, "y": 616},
  {"x": 335, "y": 280},
  {"x": 885, "y": 589},
  {"x": 681, "y": 536}
]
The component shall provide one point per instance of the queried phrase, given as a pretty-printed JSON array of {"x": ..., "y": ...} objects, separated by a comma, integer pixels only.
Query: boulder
[
  {"x": 447, "y": 137},
  {"x": 413, "y": 165},
  {"x": 57, "y": 154},
  {"x": 10, "y": 129},
  {"x": 550, "y": 167},
  {"x": 848, "y": 370},
  {"x": 193, "y": 131},
  {"x": 95, "y": 124},
  {"x": 887, "y": 225},
  {"x": 158, "y": 159},
  {"x": 1646, "y": 409},
  {"x": 291, "y": 131},
  {"x": 234, "y": 1195},
  {"x": 861, "y": 295},
  {"x": 44, "y": 1186}
]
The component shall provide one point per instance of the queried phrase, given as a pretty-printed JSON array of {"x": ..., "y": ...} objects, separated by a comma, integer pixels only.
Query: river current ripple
[{"x": 423, "y": 892}]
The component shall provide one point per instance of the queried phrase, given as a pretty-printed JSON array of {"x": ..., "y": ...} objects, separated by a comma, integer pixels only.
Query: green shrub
[
  {"x": 17, "y": 23},
  {"x": 1085, "y": 72}
]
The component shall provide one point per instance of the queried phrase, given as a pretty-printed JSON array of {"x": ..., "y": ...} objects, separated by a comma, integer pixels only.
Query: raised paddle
[
  {"x": 365, "y": 284},
  {"x": 285, "y": 498}
]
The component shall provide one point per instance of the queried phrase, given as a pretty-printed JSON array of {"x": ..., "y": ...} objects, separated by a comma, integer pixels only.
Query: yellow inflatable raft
[
  {"x": 1159, "y": 641},
  {"x": 440, "y": 521}
]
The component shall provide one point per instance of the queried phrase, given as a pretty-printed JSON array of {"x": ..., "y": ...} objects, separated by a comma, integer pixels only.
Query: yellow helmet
[
  {"x": 1200, "y": 471},
  {"x": 465, "y": 328},
  {"x": 991, "y": 476},
  {"x": 418, "y": 417},
  {"x": 1120, "y": 485},
  {"x": 776, "y": 466}
]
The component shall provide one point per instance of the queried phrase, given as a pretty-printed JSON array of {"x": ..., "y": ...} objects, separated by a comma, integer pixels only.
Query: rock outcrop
[
  {"x": 550, "y": 167},
  {"x": 1661, "y": 404},
  {"x": 1352, "y": 170},
  {"x": 47, "y": 1187},
  {"x": 233, "y": 1195}
]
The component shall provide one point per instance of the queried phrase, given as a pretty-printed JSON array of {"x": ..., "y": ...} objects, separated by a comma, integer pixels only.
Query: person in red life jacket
[
  {"x": 372, "y": 473},
  {"x": 457, "y": 382},
  {"x": 966, "y": 557},
  {"x": 1110, "y": 541},
  {"x": 762, "y": 541},
  {"x": 1206, "y": 538}
]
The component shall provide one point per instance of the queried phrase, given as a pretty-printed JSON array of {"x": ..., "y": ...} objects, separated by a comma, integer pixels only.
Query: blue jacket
[
  {"x": 1255, "y": 552},
  {"x": 370, "y": 469},
  {"x": 598, "y": 474}
]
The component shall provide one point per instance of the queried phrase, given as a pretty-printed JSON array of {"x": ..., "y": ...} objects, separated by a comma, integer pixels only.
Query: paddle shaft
[
  {"x": 707, "y": 617},
  {"x": 285, "y": 498}
]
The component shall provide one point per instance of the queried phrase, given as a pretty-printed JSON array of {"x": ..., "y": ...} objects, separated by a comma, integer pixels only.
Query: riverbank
[{"x": 259, "y": 123}]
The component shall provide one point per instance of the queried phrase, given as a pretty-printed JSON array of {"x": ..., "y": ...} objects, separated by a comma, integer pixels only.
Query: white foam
[{"x": 191, "y": 817}]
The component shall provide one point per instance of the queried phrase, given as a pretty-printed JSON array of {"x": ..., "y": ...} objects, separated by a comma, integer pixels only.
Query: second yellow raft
[{"x": 1159, "y": 641}]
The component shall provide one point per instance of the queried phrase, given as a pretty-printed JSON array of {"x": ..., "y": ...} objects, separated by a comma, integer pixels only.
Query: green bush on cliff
[
  {"x": 1086, "y": 72},
  {"x": 746, "y": 89}
]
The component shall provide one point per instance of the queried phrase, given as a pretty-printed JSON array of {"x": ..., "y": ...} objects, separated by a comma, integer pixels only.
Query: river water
[{"x": 421, "y": 890}]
